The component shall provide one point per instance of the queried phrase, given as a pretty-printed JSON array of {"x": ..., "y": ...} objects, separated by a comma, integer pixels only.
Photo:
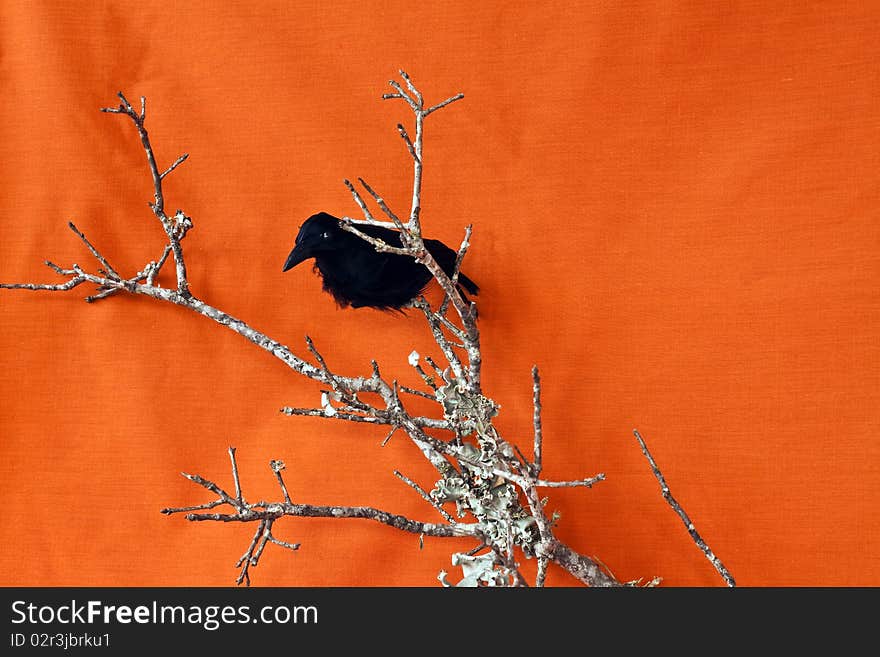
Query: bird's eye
[{"x": 325, "y": 235}]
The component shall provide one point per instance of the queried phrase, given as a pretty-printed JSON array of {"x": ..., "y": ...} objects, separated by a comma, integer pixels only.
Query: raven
[{"x": 357, "y": 275}]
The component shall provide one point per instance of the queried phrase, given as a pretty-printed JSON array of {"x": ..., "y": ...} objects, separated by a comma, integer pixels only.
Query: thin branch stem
[
  {"x": 384, "y": 207},
  {"x": 418, "y": 393},
  {"x": 536, "y": 419},
  {"x": 378, "y": 244},
  {"x": 667, "y": 495},
  {"x": 451, "y": 357},
  {"x": 100, "y": 258},
  {"x": 360, "y": 201},
  {"x": 331, "y": 378},
  {"x": 588, "y": 482},
  {"x": 425, "y": 496},
  {"x": 444, "y": 103},
  {"x": 277, "y": 467},
  {"x": 456, "y": 270},
  {"x": 174, "y": 165},
  {"x": 421, "y": 422},
  {"x": 235, "y": 478}
]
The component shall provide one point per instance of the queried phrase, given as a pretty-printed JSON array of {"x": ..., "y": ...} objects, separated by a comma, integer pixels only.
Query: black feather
[{"x": 357, "y": 275}]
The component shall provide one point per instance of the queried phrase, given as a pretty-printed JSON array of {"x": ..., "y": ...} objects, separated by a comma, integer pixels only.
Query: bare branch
[
  {"x": 444, "y": 103},
  {"x": 222, "y": 495},
  {"x": 419, "y": 393},
  {"x": 421, "y": 422},
  {"x": 589, "y": 482},
  {"x": 277, "y": 467},
  {"x": 536, "y": 420},
  {"x": 197, "y": 507},
  {"x": 667, "y": 495},
  {"x": 456, "y": 271},
  {"x": 412, "y": 89},
  {"x": 442, "y": 373},
  {"x": 157, "y": 266},
  {"x": 429, "y": 381},
  {"x": 263, "y": 512},
  {"x": 421, "y": 491},
  {"x": 158, "y": 206},
  {"x": 61, "y": 287},
  {"x": 246, "y": 559},
  {"x": 384, "y": 207},
  {"x": 378, "y": 244},
  {"x": 112, "y": 272},
  {"x": 451, "y": 357},
  {"x": 331, "y": 379},
  {"x": 402, "y": 94},
  {"x": 284, "y": 544},
  {"x": 360, "y": 201},
  {"x": 174, "y": 165},
  {"x": 409, "y": 145},
  {"x": 235, "y": 478},
  {"x": 394, "y": 429},
  {"x": 103, "y": 294}
]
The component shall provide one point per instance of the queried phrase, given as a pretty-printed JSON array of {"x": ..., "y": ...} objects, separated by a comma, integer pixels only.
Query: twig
[
  {"x": 418, "y": 393},
  {"x": 277, "y": 467},
  {"x": 430, "y": 361},
  {"x": 235, "y": 479},
  {"x": 158, "y": 206},
  {"x": 667, "y": 495},
  {"x": 331, "y": 378},
  {"x": 154, "y": 270},
  {"x": 444, "y": 103},
  {"x": 245, "y": 561},
  {"x": 378, "y": 244},
  {"x": 360, "y": 201},
  {"x": 536, "y": 420},
  {"x": 384, "y": 207},
  {"x": 421, "y": 422},
  {"x": 407, "y": 141},
  {"x": 61, "y": 287},
  {"x": 451, "y": 357},
  {"x": 421, "y": 491},
  {"x": 394, "y": 429},
  {"x": 589, "y": 482},
  {"x": 252, "y": 513},
  {"x": 456, "y": 270},
  {"x": 174, "y": 165},
  {"x": 429, "y": 380},
  {"x": 100, "y": 258}
]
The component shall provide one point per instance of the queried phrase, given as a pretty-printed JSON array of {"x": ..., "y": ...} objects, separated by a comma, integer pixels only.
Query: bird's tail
[
  {"x": 468, "y": 284},
  {"x": 446, "y": 259}
]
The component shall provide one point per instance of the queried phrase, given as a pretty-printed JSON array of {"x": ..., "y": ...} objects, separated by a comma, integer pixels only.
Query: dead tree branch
[
  {"x": 667, "y": 495},
  {"x": 483, "y": 475},
  {"x": 266, "y": 513}
]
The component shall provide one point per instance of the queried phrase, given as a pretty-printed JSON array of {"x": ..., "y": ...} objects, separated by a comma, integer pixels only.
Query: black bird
[{"x": 357, "y": 275}]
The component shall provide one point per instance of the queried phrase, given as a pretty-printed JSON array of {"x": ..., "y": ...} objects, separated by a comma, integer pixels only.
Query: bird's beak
[{"x": 296, "y": 256}]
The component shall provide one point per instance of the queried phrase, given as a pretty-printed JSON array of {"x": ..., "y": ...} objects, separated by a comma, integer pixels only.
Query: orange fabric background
[{"x": 676, "y": 217}]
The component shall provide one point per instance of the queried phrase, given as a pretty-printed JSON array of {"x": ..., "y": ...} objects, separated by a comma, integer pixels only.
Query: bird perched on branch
[{"x": 357, "y": 275}]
